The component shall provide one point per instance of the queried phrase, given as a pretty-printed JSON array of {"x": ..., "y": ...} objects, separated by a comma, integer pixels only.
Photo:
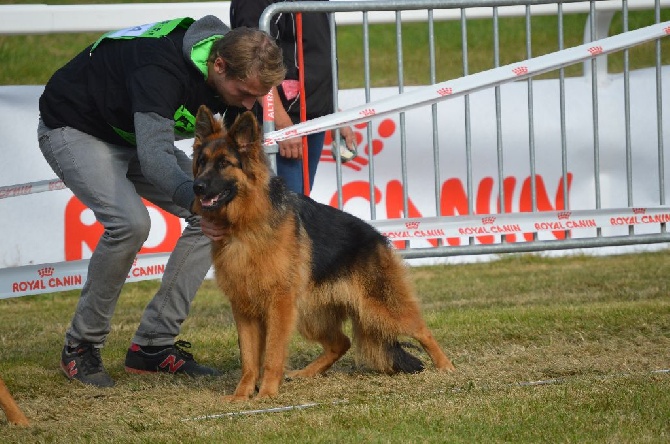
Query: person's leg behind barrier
[
  {"x": 315, "y": 148},
  {"x": 291, "y": 169}
]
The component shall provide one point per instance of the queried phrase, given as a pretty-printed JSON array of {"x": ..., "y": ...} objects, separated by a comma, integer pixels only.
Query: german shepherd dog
[
  {"x": 8, "y": 405},
  {"x": 288, "y": 261}
]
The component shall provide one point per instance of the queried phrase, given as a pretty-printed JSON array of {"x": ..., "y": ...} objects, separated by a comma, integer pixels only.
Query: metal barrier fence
[
  {"x": 597, "y": 27},
  {"x": 608, "y": 207}
]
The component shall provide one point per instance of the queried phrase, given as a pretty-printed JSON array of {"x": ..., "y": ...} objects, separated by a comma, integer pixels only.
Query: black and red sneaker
[
  {"x": 84, "y": 364},
  {"x": 171, "y": 359}
]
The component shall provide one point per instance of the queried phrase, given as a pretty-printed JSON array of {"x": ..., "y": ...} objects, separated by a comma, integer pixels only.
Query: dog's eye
[{"x": 223, "y": 163}]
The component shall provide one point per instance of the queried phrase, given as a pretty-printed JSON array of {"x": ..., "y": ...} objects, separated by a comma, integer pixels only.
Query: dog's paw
[
  {"x": 446, "y": 367},
  {"x": 236, "y": 398}
]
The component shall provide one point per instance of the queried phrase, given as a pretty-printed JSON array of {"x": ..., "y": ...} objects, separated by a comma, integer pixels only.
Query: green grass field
[
  {"x": 573, "y": 349},
  {"x": 28, "y": 60},
  {"x": 546, "y": 350}
]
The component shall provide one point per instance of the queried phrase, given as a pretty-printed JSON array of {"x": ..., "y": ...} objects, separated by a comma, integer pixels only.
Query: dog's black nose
[{"x": 199, "y": 187}]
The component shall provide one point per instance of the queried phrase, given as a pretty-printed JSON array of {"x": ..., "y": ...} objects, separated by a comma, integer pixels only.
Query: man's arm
[{"x": 156, "y": 153}]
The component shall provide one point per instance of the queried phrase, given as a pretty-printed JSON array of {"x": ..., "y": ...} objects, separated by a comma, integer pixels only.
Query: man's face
[{"x": 233, "y": 91}]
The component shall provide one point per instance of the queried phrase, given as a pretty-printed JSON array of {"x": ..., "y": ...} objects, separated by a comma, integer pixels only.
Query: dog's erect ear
[
  {"x": 205, "y": 125},
  {"x": 245, "y": 132}
]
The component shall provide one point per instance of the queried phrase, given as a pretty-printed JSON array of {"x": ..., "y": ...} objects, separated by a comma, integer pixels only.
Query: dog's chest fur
[{"x": 248, "y": 265}]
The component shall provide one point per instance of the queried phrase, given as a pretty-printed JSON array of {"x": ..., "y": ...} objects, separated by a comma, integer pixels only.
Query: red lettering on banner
[
  {"x": 268, "y": 107},
  {"x": 454, "y": 202},
  {"x": 15, "y": 191},
  {"x": 394, "y": 207},
  {"x": 79, "y": 234},
  {"x": 151, "y": 270},
  {"x": 624, "y": 220},
  {"x": 656, "y": 219},
  {"x": 356, "y": 189},
  {"x": 56, "y": 185},
  {"x": 543, "y": 202},
  {"x": 65, "y": 281},
  {"x": 75, "y": 280},
  {"x": 37, "y": 284}
]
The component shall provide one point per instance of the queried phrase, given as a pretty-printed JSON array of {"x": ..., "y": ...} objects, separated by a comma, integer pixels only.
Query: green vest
[{"x": 184, "y": 121}]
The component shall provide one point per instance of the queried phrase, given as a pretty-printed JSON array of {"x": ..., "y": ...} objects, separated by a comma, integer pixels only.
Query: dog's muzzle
[{"x": 214, "y": 195}]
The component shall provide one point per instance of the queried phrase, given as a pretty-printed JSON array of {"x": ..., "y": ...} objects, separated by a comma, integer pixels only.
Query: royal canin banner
[{"x": 48, "y": 235}]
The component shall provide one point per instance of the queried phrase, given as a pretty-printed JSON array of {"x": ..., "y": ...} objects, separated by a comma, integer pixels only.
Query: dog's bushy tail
[
  {"x": 386, "y": 355},
  {"x": 404, "y": 361}
]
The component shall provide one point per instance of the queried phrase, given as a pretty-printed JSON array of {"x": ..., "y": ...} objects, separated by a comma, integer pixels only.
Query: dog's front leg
[
  {"x": 250, "y": 340},
  {"x": 280, "y": 323}
]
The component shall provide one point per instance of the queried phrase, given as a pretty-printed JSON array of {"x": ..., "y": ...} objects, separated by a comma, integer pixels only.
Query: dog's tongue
[{"x": 209, "y": 202}]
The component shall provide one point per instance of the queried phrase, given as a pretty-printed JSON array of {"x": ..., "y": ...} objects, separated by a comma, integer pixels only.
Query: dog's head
[{"x": 228, "y": 164}]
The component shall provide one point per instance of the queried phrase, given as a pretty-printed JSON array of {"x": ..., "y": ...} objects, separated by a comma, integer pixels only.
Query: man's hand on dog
[{"x": 213, "y": 231}]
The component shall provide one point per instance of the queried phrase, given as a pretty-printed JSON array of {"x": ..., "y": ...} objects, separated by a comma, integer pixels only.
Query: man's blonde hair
[{"x": 250, "y": 52}]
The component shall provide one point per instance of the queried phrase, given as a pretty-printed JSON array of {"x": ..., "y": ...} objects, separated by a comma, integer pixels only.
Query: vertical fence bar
[
  {"x": 403, "y": 129},
  {"x": 433, "y": 110},
  {"x": 531, "y": 120},
  {"x": 306, "y": 187},
  {"x": 468, "y": 132},
  {"x": 659, "y": 115},
  {"x": 336, "y": 105},
  {"x": 594, "y": 105},
  {"x": 499, "y": 145},
  {"x": 371, "y": 154},
  {"x": 626, "y": 99},
  {"x": 564, "y": 137}
]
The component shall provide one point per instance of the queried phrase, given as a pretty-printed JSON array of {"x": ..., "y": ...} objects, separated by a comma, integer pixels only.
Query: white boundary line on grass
[{"x": 258, "y": 411}]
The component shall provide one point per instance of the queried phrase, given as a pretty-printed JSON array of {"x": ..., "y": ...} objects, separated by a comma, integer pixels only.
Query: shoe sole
[{"x": 136, "y": 371}]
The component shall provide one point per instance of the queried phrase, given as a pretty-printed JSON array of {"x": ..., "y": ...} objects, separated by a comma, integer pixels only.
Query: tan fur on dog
[{"x": 289, "y": 262}]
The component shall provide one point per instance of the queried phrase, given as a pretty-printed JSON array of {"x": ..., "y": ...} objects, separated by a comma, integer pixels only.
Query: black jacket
[
  {"x": 127, "y": 92},
  {"x": 102, "y": 89}
]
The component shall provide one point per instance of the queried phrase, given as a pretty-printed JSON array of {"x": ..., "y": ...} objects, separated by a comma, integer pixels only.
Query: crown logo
[
  {"x": 520, "y": 70},
  {"x": 488, "y": 220},
  {"x": 368, "y": 112},
  {"x": 639, "y": 210},
  {"x": 412, "y": 225},
  {"x": 595, "y": 50},
  {"x": 46, "y": 271},
  {"x": 564, "y": 215},
  {"x": 445, "y": 91}
]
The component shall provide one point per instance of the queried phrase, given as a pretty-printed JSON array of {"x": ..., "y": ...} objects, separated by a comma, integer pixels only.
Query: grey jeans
[{"x": 107, "y": 178}]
